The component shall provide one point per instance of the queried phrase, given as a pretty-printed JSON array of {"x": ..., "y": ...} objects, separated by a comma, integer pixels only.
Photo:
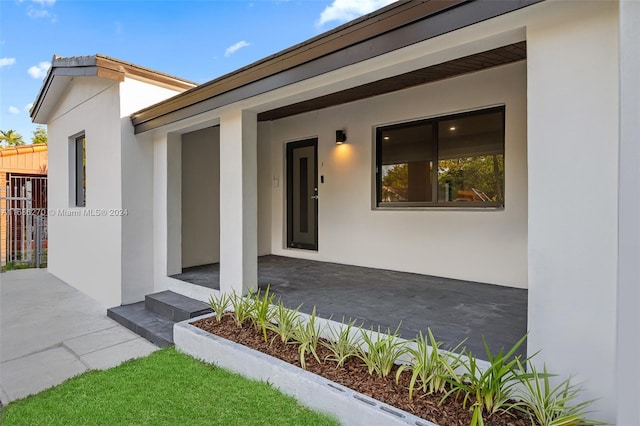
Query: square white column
[
  {"x": 238, "y": 202},
  {"x": 167, "y": 195},
  {"x": 573, "y": 128},
  {"x": 628, "y": 338}
]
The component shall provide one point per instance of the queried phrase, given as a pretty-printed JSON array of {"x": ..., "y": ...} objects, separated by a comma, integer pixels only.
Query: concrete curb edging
[{"x": 311, "y": 390}]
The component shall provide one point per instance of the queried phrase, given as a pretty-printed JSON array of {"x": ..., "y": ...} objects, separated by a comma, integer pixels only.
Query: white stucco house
[{"x": 490, "y": 141}]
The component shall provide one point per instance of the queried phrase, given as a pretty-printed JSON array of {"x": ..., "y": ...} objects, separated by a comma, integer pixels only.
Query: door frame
[{"x": 290, "y": 147}]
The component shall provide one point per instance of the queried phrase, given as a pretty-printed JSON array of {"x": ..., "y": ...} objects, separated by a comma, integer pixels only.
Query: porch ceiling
[{"x": 468, "y": 64}]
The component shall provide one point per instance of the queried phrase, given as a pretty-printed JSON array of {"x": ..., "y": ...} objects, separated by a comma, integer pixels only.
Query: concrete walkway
[{"x": 50, "y": 332}]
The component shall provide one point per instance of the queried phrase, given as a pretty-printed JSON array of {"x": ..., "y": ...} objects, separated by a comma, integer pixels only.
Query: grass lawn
[{"x": 165, "y": 388}]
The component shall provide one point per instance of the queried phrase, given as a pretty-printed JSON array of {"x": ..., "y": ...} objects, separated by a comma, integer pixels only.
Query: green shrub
[
  {"x": 342, "y": 343},
  {"x": 492, "y": 388},
  {"x": 430, "y": 368},
  {"x": 262, "y": 311},
  {"x": 380, "y": 352},
  {"x": 307, "y": 336},
  {"x": 242, "y": 308},
  {"x": 550, "y": 406},
  {"x": 284, "y": 322},
  {"x": 219, "y": 304}
]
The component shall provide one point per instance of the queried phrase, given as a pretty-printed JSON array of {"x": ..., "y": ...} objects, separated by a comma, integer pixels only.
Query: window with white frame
[{"x": 449, "y": 161}]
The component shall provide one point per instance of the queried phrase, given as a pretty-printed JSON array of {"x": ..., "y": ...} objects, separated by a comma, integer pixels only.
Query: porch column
[
  {"x": 628, "y": 349},
  {"x": 573, "y": 164},
  {"x": 167, "y": 233},
  {"x": 238, "y": 202}
]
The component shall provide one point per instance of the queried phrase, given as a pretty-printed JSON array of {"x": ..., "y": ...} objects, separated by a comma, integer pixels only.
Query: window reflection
[{"x": 468, "y": 150}]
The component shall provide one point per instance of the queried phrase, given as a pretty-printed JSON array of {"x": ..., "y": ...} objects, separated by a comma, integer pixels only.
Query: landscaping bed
[
  {"x": 354, "y": 375},
  {"x": 411, "y": 380}
]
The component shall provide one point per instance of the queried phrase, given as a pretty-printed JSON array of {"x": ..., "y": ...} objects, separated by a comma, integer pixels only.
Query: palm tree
[
  {"x": 39, "y": 135},
  {"x": 11, "y": 138}
]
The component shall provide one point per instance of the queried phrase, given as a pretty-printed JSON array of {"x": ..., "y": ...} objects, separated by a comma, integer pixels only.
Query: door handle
[{"x": 314, "y": 197}]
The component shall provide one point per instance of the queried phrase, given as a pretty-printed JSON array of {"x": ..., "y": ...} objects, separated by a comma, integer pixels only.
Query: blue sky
[{"x": 194, "y": 39}]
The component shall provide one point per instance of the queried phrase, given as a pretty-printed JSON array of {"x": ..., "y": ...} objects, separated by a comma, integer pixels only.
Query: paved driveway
[{"x": 50, "y": 332}]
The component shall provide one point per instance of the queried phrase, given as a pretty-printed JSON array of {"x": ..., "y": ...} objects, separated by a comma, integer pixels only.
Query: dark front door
[{"x": 302, "y": 194}]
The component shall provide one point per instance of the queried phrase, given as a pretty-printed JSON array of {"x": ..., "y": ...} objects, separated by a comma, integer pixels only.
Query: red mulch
[{"x": 354, "y": 375}]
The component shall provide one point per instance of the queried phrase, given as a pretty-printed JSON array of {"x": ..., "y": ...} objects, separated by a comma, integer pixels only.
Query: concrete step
[
  {"x": 151, "y": 326},
  {"x": 174, "y": 306},
  {"x": 154, "y": 318}
]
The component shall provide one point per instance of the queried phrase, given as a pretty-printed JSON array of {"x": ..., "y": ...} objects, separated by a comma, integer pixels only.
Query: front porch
[{"x": 453, "y": 309}]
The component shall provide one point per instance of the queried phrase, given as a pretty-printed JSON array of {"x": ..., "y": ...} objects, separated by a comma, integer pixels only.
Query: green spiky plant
[
  {"x": 548, "y": 405},
  {"x": 342, "y": 343},
  {"x": 262, "y": 311},
  {"x": 491, "y": 389},
  {"x": 306, "y": 336},
  {"x": 429, "y": 367},
  {"x": 284, "y": 322},
  {"x": 219, "y": 304},
  {"x": 242, "y": 308},
  {"x": 380, "y": 352}
]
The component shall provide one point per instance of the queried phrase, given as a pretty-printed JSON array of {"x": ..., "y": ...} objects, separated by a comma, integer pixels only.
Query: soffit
[{"x": 489, "y": 59}]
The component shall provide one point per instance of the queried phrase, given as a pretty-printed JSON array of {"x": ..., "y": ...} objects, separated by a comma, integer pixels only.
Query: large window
[
  {"x": 80, "y": 148},
  {"x": 451, "y": 161}
]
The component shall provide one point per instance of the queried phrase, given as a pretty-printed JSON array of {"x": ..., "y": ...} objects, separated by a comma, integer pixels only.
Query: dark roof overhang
[
  {"x": 468, "y": 64},
  {"x": 399, "y": 25}
]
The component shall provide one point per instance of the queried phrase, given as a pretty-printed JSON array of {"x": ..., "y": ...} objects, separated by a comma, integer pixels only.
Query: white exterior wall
[
  {"x": 137, "y": 191},
  {"x": 201, "y": 197},
  {"x": 487, "y": 246},
  {"x": 265, "y": 184},
  {"x": 107, "y": 257},
  {"x": 200, "y": 192},
  {"x": 85, "y": 251},
  {"x": 573, "y": 195},
  {"x": 628, "y": 349}
]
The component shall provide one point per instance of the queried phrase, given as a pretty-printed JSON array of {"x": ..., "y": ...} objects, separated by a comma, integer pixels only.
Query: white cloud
[
  {"x": 346, "y": 10},
  {"x": 13, "y": 110},
  {"x": 37, "y": 13},
  {"x": 40, "y": 70},
  {"x": 234, "y": 48},
  {"x": 37, "y": 9},
  {"x": 5, "y": 62},
  {"x": 28, "y": 107}
]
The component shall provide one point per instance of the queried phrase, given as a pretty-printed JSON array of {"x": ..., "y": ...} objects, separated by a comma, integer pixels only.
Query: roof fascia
[
  {"x": 146, "y": 74},
  {"x": 100, "y": 66},
  {"x": 85, "y": 66}
]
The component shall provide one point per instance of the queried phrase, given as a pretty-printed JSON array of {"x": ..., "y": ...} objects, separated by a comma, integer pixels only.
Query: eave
[
  {"x": 64, "y": 69},
  {"x": 394, "y": 27}
]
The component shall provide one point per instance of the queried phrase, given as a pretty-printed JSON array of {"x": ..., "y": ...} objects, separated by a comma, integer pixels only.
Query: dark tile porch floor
[{"x": 454, "y": 309}]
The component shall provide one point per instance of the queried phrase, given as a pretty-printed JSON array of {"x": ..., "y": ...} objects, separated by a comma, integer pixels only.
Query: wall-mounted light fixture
[{"x": 341, "y": 137}]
